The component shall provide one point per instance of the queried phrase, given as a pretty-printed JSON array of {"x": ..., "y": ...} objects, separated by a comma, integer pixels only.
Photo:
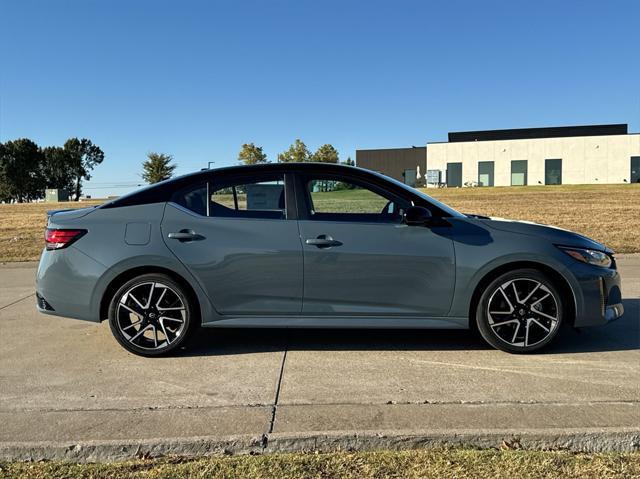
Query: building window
[
  {"x": 553, "y": 172},
  {"x": 454, "y": 174},
  {"x": 518, "y": 172},
  {"x": 485, "y": 173}
]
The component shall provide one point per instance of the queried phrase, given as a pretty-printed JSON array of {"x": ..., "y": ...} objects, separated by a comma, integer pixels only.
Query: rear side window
[
  {"x": 260, "y": 196},
  {"x": 193, "y": 199}
]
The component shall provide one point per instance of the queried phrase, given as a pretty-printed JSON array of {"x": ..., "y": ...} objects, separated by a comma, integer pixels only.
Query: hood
[{"x": 554, "y": 234}]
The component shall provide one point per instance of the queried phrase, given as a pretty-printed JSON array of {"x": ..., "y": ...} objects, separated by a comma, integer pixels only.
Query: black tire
[
  {"x": 526, "y": 311},
  {"x": 165, "y": 324}
]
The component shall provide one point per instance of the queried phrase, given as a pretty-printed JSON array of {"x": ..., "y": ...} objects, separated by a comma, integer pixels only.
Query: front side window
[
  {"x": 337, "y": 199},
  {"x": 249, "y": 197}
]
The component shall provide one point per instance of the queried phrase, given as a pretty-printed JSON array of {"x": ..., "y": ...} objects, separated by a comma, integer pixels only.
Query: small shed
[{"x": 55, "y": 195}]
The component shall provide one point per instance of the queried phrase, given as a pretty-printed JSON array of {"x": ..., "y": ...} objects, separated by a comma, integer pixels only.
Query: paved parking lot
[{"x": 65, "y": 381}]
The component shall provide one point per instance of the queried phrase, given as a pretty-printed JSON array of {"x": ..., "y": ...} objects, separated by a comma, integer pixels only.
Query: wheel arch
[
  {"x": 131, "y": 273},
  {"x": 558, "y": 279}
]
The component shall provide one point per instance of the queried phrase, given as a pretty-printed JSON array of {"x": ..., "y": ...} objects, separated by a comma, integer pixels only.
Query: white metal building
[{"x": 536, "y": 156}]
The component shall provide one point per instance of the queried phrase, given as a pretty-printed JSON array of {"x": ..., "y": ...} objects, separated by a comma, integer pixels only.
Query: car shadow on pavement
[{"x": 620, "y": 335}]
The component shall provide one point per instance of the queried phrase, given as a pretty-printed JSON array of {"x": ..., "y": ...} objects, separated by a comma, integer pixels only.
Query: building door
[
  {"x": 485, "y": 173},
  {"x": 454, "y": 174},
  {"x": 518, "y": 172},
  {"x": 635, "y": 169},
  {"x": 553, "y": 172},
  {"x": 409, "y": 177}
]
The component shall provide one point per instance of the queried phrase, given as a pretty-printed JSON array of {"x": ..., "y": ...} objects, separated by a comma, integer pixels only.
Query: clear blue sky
[{"x": 198, "y": 79}]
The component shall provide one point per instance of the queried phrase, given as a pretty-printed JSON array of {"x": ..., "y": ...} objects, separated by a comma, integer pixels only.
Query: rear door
[
  {"x": 235, "y": 236},
  {"x": 360, "y": 259}
]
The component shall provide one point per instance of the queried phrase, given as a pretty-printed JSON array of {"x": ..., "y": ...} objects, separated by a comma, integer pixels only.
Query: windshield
[{"x": 447, "y": 209}]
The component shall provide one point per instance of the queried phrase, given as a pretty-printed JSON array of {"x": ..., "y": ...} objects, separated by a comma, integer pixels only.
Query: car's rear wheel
[
  {"x": 151, "y": 315},
  {"x": 520, "y": 311}
]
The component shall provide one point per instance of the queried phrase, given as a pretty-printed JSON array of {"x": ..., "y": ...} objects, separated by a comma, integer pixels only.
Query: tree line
[
  {"x": 27, "y": 169},
  {"x": 250, "y": 154}
]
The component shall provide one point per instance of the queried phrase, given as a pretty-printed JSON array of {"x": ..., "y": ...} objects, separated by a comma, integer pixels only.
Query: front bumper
[{"x": 599, "y": 295}]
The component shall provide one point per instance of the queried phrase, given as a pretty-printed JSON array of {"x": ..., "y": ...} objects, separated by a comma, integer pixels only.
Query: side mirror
[{"x": 417, "y": 216}]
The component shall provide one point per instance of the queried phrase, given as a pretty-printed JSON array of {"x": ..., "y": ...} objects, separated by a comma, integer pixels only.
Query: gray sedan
[{"x": 315, "y": 246}]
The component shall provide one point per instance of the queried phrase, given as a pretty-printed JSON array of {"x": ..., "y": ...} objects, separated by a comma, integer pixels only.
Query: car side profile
[{"x": 316, "y": 246}]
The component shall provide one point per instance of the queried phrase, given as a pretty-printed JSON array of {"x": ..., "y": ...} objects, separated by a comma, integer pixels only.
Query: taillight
[{"x": 58, "y": 239}]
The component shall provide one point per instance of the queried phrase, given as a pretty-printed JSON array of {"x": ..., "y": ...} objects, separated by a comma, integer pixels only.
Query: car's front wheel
[
  {"x": 520, "y": 311},
  {"x": 151, "y": 315}
]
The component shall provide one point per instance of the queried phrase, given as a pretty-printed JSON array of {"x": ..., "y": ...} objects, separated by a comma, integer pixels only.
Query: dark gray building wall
[{"x": 393, "y": 161}]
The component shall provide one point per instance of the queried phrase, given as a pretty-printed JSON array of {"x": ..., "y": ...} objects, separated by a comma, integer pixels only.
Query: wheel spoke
[
  {"x": 504, "y": 293},
  {"x": 545, "y": 315},
  {"x": 534, "y": 320},
  {"x": 539, "y": 300},
  {"x": 524, "y": 301},
  {"x": 135, "y": 300},
  {"x": 164, "y": 331},
  {"x": 180, "y": 320},
  {"x": 153, "y": 287},
  {"x": 131, "y": 310},
  {"x": 132, "y": 325},
  {"x": 515, "y": 333},
  {"x": 502, "y": 323},
  {"x": 139, "y": 333},
  {"x": 160, "y": 298}
]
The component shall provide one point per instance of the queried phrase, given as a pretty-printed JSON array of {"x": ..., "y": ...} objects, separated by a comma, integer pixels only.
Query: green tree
[
  {"x": 326, "y": 154},
  {"x": 158, "y": 167},
  {"x": 251, "y": 154},
  {"x": 84, "y": 157},
  {"x": 57, "y": 168},
  {"x": 350, "y": 162},
  {"x": 297, "y": 152},
  {"x": 20, "y": 171}
]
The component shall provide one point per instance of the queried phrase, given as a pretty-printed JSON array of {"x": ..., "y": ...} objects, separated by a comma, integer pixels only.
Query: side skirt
[{"x": 339, "y": 322}]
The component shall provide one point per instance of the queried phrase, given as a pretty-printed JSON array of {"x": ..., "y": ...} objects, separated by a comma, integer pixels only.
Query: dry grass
[
  {"x": 452, "y": 463},
  {"x": 607, "y": 213},
  {"x": 22, "y": 228}
]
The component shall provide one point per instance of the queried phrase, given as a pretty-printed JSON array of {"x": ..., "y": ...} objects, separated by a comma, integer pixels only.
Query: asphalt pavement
[{"x": 67, "y": 390}]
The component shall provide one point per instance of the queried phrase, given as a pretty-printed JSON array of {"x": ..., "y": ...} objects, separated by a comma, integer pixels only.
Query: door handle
[
  {"x": 323, "y": 241},
  {"x": 185, "y": 235}
]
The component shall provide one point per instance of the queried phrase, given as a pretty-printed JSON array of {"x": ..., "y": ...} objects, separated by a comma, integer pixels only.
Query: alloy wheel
[
  {"x": 523, "y": 312},
  {"x": 151, "y": 315}
]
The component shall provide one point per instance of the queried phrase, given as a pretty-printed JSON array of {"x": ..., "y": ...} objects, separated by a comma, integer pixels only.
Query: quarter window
[{"x": 194, "y": 199}]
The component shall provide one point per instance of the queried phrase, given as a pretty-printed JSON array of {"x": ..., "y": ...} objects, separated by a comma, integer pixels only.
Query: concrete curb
[{"x": 578, "y": 440}]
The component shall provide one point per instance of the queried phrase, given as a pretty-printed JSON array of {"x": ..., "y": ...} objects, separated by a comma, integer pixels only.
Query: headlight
[{"x": 590, "y": 256}]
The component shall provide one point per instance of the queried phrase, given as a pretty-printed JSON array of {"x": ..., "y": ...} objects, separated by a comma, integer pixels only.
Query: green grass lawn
[{"x": 453, "y": 463}]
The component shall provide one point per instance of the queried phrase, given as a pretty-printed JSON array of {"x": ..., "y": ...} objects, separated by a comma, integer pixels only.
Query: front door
[
  {"x": 235, "y": 238},
  {"x": 360, "y": 259}
]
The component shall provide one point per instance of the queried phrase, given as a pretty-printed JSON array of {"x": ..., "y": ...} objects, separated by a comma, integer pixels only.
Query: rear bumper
[
  {"x": 65, "y": 284},
  {"x": 599, "y": 296}
]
